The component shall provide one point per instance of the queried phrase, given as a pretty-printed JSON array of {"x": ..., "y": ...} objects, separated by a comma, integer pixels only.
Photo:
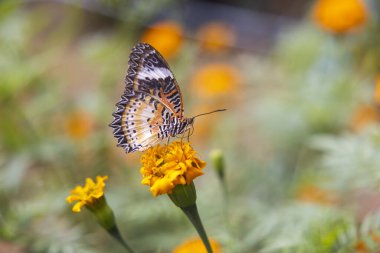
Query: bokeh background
[{"x": 300, "y": 137}]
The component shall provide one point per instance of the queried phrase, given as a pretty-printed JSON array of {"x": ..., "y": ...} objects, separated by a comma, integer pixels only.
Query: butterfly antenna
[{"x": 219, "y": 110}]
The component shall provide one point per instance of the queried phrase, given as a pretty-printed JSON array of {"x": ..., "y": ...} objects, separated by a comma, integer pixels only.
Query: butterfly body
[{"x": 151, "y": 108}]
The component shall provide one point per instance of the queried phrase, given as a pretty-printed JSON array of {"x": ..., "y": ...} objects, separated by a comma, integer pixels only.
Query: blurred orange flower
[
  {"x": 364, "y": 116},
  {"x": 196, "y": 246},
  {"x": 165, "y": 36},
  {"x": 340, "y": 16},
  {"x": 377, "y": 91},
  {"x": 360, "y": 247},
  {"x": 204, "y": 126},
  {"x": 314, "y": 194},
  {"x": 79, "y": 125},
  {"x": 215, "y": 37},
  {"x": 215, "y": 80},
  {"x": 375, "y": 237}
]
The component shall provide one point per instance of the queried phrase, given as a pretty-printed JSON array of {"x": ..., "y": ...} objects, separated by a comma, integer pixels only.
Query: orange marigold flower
[
  {"x": 165, "y": 36},
  {"x": 339, "y": 16},
  {"x": 314, "y": 194},
  {"x": 364, "y": 116},
  {"x": 216, "y": 37},
  {"x": 79, "y": 125},
  {"x": 164, "y": 167},
  {"x": 215, "y": 80},
  {"x": 196, "y": 246},
  {"x": 87, "y": 195}
]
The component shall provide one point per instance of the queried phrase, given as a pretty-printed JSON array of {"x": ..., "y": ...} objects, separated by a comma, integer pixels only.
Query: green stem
[
  {"x": 193, "y": 215},
  {"x": 226, "y": 214},
  {"x": 106, "y": 219},
  {"x": 115, "y": 233}
]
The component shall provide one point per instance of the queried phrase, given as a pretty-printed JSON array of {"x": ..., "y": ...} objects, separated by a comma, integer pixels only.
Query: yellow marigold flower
[
  {"x": 314, "y": 194},
  {"x": 165, "y": 36},
  {"x": 92, "y": 197},
  {"x": 339, "y": 16},
  {"x": 196, "y": 246},
  {"x": 215, "y": 80},
  {"x": 364, "y": 116},
  {"x": 216, "y": 37},
  {"x": 87, "y": 195},
  {"x": 79, "y": 125},
  {"x": 164, "y": 167}
]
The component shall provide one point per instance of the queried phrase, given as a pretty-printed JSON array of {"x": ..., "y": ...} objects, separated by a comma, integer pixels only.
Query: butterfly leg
[
  {"x": 190, "y": 133},
  {"x": 167, "y": 144},
  {"x": 183, "y": 136},
  {"x": 188, "y": 136}
]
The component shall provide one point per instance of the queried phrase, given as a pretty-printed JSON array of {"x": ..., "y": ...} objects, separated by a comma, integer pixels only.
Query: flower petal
[
  {"x": 165, "y": 167},
  {"x": 87, "y": 194}
]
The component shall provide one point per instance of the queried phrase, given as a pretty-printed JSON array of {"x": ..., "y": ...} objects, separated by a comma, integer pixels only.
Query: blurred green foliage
[{"x": 288, "y": 125}]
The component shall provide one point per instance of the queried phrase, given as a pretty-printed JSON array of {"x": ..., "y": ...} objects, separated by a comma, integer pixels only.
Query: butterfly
[{"x": 151, "y": 108}]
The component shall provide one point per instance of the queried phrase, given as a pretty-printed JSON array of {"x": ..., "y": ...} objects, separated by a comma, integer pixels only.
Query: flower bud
[{"x": 218, "y": 161}]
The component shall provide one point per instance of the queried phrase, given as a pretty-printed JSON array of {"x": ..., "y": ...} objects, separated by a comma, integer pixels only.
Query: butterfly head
[{"x": 185, "y": 125}]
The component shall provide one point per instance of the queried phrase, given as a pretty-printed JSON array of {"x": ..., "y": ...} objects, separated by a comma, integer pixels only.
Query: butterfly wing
[
  {"x": 150, "y": 100},
  {"x": 149, "y": 73}
]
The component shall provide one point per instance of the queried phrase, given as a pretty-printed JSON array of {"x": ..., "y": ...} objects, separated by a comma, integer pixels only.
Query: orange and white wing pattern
[
  {"x": 151, "y": 106},
  {"x": 149, "y": 73}
]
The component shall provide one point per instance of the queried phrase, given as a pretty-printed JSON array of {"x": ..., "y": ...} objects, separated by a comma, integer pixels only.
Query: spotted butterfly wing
[{"x": 151, "y": 107}]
